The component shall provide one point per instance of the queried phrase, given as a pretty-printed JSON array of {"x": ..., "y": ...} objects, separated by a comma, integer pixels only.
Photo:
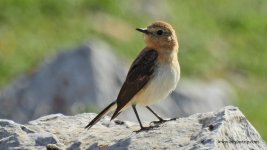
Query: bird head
[{"x": 161, "y": 36}]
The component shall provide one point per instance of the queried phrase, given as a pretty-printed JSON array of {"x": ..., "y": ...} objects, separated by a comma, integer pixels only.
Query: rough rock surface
[
  {"x": 91, "y": 76},
  {"x": 225, "y": 129}
]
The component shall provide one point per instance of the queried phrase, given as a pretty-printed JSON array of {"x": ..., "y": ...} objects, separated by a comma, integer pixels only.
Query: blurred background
[{"x": 66, "y": 55}]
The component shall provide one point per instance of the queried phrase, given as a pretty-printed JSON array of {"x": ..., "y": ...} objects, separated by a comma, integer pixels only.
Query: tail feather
[
  {"x": 100, "y": 115},
  {"x": 115, "y": 114}
]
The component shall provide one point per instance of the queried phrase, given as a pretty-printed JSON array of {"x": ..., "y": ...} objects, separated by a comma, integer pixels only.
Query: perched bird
[{"x": 153, "y": 75}]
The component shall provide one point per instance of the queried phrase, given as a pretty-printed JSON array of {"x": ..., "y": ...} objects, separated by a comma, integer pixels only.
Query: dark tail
[{"x": 100, "y": 115}]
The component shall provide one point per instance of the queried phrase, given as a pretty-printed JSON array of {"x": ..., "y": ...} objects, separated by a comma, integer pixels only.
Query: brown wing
[{"x": 139, "y": 74}]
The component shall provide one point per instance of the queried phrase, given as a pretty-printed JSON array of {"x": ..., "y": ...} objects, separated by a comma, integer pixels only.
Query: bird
[{"x": 152, "y": 76}]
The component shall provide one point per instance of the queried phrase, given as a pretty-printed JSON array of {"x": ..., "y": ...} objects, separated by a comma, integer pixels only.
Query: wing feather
[{"x": 141, "y": 71}]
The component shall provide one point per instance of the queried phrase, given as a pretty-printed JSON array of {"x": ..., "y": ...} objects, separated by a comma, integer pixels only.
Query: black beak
[{"x": 143, "y": 30}]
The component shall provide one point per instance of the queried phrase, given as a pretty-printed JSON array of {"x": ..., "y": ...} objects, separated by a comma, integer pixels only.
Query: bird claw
[
  {"x": 146, "y": 129},
  {"x": 162, "y": 121}
]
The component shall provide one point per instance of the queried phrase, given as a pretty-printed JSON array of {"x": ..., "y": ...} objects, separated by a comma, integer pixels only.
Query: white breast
[{"x": 164, "y": 82}]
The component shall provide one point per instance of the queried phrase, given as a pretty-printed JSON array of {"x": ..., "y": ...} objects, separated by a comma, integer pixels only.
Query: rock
[
  {"x": 70, "y": 82},
  {"x": 17, "y": 136},
  {"x": 225, "y": 129},
  {"x": 88, "y": 78}
]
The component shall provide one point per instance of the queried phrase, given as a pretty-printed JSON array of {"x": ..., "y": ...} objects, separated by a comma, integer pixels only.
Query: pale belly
[{"x": 164, "y": 82}]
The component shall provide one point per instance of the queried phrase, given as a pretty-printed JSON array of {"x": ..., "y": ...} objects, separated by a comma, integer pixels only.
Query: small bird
[{"x": 152, "y": 76}]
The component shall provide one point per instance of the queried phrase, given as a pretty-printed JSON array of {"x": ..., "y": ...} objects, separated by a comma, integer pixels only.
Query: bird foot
[
  {"x": 146, "y": 129},
  {"x": 162, "y": 121}
]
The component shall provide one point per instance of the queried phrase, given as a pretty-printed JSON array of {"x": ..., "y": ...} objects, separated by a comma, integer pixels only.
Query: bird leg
[
  {"x": 160, "y": 119},
  {"x": 141, "y": 126}
]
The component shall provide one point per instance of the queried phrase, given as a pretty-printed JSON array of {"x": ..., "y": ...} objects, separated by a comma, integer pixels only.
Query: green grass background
[{"x": 218, "y": 39}]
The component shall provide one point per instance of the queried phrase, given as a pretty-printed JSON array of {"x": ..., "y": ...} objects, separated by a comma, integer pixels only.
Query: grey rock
[
  {"x": 225, "y": 129},
  {"x": 70, "y": 82},
  {"x": 90, "y": 77},
  {"x": 17, "y": 136}
]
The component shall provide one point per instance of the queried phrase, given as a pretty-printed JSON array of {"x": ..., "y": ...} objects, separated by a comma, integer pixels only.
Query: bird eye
[{"x": 159, "y": 32}]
